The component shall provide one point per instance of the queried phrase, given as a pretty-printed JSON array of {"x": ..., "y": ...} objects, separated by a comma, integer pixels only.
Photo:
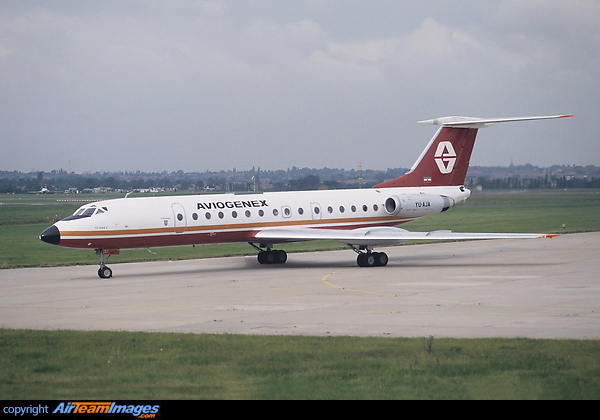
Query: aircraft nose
[{"x": 51, "y": 235}]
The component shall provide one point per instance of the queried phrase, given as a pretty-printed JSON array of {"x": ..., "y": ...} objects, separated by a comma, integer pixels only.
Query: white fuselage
[{"x": 212, "y": 218}]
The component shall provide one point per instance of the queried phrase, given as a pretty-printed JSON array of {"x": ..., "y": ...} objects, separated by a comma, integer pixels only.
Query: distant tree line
[
  {"x": 293, "y": 179},
  {"x": 252, "y": 180},
  {"x": 540, "y": 182}
]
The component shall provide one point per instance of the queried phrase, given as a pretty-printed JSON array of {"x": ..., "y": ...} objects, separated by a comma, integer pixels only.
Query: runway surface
[{"x": 541, "y": 288}]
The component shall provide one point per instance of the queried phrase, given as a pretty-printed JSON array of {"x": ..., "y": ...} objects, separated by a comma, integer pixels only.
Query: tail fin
[{"x": 445, "y": 160}]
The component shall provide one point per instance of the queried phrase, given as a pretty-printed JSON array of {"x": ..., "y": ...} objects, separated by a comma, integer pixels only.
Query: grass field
[{"x": 160, "y": 366}]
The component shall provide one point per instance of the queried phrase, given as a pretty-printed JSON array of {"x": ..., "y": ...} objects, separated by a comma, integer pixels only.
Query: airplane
[{"x": 360, "y": 218}]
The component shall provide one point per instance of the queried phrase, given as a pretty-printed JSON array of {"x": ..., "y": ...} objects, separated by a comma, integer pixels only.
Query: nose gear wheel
[{"x": 103, "y": 272}]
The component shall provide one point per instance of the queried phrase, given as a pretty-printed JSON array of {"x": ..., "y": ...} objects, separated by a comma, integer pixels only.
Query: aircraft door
[
  {"x": 315, "y": 209},
  {"x": 179, "y": 219}
]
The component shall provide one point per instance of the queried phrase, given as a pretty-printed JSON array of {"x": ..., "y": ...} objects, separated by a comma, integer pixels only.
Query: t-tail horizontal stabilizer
[{"x": 470, "y": 122}]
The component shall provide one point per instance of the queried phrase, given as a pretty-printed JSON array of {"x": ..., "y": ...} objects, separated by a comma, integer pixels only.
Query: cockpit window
[{"x": 86, "y": 212}]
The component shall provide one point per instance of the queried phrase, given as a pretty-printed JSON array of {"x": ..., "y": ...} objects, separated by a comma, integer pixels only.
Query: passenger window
[
  {"x": 365, "y": 208},
  {"x": 330, "y": 209},
  {"x": 353, "y": 208},
  {"x": 195, "y": 216},
  {"x": 207, "y": 215},
  {"x": 180, "y": 217},
  {"x": 248, "y": 214},
  {"x": 234, "y": 214},
  {"x": 342, "y": 209}
]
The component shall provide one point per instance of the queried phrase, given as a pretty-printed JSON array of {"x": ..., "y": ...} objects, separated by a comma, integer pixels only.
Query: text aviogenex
[
  {"x": 240, "y": 204},
  {"x": 104, "y": 408}
]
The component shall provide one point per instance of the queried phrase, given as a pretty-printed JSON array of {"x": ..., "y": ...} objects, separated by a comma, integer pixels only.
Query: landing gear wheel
[
  {"x": 280, "y": 256},
  {"x": 381, "y": 259},
  {"x": 365, "y": 259},
  {"x": 104, "y": 272},
  {"x": 372, "y": 259},
  {"x": 262, "y": 257},
  {"x": 272, "y": 257}
]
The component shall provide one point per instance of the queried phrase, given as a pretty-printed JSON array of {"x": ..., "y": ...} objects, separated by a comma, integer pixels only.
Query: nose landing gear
[{"x": 104, "y": 272}]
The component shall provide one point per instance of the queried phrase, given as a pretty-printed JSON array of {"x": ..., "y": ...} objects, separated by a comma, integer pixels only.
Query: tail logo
[{"x": 445, "y": 157}]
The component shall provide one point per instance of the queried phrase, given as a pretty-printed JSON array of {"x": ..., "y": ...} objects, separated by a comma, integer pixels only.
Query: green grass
[
  {"x": 515, "y": 211},
  {"x": 120, "y": 365}
]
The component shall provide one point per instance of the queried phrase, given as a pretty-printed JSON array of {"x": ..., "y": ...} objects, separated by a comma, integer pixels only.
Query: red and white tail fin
[{"x": 445, "y": 160}]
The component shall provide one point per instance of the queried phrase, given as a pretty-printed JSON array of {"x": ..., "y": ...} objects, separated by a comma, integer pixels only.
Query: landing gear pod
[{"x": 417, "y": 205}]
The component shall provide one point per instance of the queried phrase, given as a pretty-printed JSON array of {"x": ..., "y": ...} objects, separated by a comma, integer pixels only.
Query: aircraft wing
[{"x": 380, "y": 235}]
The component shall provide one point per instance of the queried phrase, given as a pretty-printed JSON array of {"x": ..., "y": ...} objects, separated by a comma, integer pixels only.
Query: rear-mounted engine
[{"x": 417, "y": 204}]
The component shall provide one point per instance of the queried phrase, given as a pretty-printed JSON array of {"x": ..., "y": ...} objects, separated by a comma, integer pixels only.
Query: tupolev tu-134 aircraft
[{"x": 359, "y": 218}]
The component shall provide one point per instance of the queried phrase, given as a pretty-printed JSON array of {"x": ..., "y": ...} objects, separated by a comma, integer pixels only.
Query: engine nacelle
[{"x": 415, "y": 205}]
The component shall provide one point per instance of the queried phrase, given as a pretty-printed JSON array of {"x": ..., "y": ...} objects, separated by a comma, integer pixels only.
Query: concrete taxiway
[{"x": 544, "y": 288}]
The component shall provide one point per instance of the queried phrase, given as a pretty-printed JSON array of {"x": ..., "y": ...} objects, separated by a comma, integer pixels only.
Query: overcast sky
[{"x": 209, "y": 85}]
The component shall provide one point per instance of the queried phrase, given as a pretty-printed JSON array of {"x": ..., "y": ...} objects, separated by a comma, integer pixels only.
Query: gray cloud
[{"x": 209, "y": 85}]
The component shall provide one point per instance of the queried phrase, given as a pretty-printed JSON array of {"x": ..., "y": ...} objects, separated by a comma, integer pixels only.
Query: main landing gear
[
  {"x": 103, "y": 272},
  {"x": 368, "y": 258},
  {"x": 270, "y": 256},
  {"x": 372, "y": 259}
]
